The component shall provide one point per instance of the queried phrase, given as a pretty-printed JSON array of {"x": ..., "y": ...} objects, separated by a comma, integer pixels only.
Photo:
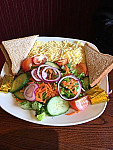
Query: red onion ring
[
  {"x": 55, "y": 70},
  {"x": 29, "y": 92},
  {"x": 80, "y": 87},
  {"x": 83, "y": 89},
  {"x": 34, "y": 75},
  {"x": 38, "y": 71}
]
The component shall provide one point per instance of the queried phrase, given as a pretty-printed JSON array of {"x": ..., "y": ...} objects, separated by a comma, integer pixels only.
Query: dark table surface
[{"x": 17, "y": 134}]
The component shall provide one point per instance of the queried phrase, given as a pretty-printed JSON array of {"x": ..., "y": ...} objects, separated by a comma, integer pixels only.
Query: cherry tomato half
[
  {"x": 80, "y": 104},
  {"x": 61, "y": 62},
  {"x": 81, "y": 67},
  {"x": 37, "y": 60},
  {"x": 26, "y": 64}
]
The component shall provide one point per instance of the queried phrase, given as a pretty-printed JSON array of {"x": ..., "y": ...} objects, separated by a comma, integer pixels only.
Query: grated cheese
[{"x": 55, "y": 50}]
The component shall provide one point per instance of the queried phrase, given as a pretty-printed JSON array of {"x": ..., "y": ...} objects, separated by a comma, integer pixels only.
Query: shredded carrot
[
  {"x": 50, "y": 77},
  {"x": 71, "y": 85},
  {"x": 67, "y": 70},
  {"x": 31, "y": 79},
  {"x": 30, "y": 82},
  {"x": 22, "y": 90},
  {"x": 49, "y": 71},
  {"x": 72, "y": 113},
  {"x": 48, "y": 88},
  {"x": 51, "y": 74},
  {"x": 64, "y": 83},
  {"x": 18, "y": 100}
]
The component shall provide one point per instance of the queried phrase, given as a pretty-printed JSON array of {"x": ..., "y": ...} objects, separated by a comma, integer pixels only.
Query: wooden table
[{"x": 17, "y": 134}]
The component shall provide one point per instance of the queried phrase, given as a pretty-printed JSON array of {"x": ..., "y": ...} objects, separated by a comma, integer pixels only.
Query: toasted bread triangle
[
  {"x": 98, "y": 64},
  {"x": 18, "y": 50}
]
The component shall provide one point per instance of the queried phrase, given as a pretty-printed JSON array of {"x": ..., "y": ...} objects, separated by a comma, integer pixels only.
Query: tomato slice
[
  {"x": 37, "y": 60},
  {"x": 61, "y": 62},
  {"x": 26, "y": 64},
  {"x": 81, "y": 67},
  {"x": 80, "y": 104}
]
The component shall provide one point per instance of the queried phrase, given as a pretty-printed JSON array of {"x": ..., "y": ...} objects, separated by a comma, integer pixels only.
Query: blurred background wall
[{"x": 62, "y": 18}]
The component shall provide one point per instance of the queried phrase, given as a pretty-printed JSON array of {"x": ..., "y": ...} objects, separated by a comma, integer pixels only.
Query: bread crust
[
  {"x": 17, "y": 50},
  {"x": 98, "y": 64}
]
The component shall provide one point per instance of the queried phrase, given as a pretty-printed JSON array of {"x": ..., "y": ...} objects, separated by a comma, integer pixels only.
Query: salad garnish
[
  {"x": 69, "y": 87},
  {"x": 51, "y": 88}
]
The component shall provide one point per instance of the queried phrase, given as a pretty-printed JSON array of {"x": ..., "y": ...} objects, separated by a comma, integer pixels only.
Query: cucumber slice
[
  {"x": 57, "y": 106},
  {"x": 52, "y": 64},
  {"x": 86, "y": 83},
  {"x": 19, "y": 95},
  {"x": 19, "y": 82}
]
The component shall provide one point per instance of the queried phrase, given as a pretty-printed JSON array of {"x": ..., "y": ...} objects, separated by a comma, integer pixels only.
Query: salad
[
  {"x": 51, "y": 88},
  {"x": 54, "y": 78}
]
